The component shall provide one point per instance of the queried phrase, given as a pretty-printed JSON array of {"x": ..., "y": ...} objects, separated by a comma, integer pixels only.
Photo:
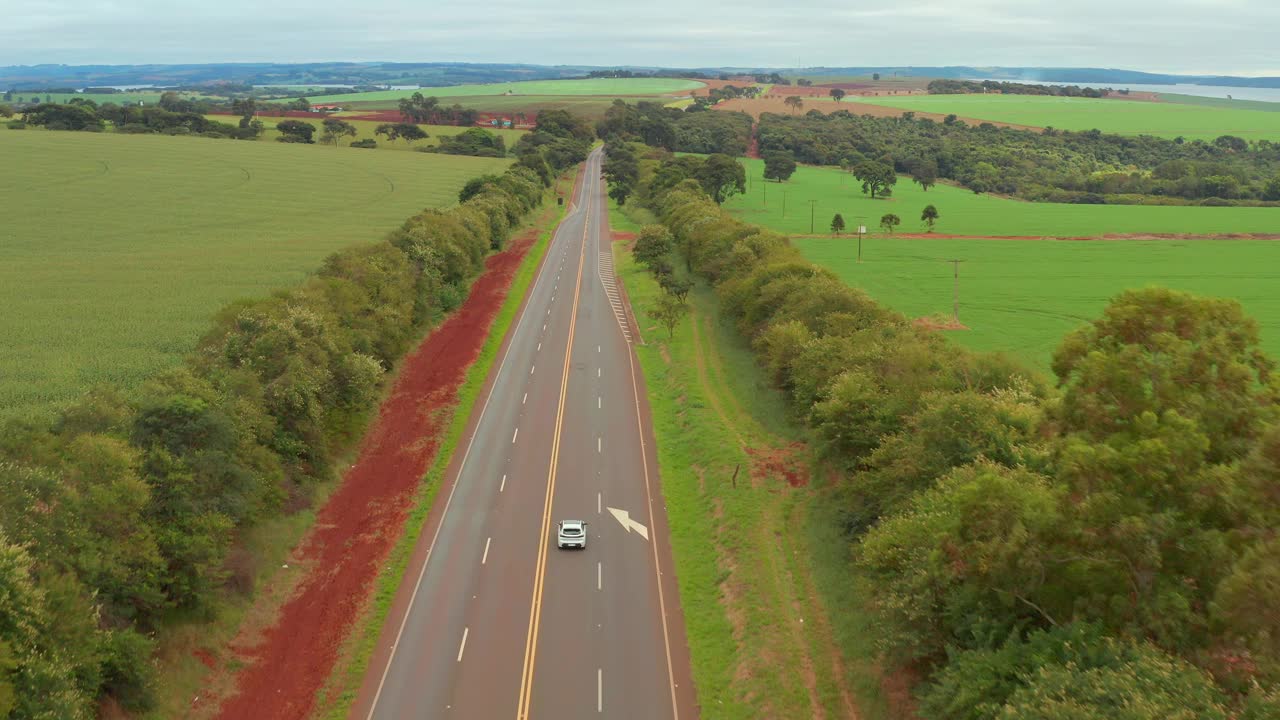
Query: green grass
[
  {"x": 365, "y": 131},
  {"x": 597, "y": 86},
  {"x": 150, "y": 97},
  {"x": 1232, "y": 104},
  {"x": 119, "y": 248},
  {"x": 345, "y": 682},
  {"x": 1023, "y": 296},
  {"x": 966, "y": 213},
  {"x": 756, "y": 631},
  {"x": 1114, "y": 116}
]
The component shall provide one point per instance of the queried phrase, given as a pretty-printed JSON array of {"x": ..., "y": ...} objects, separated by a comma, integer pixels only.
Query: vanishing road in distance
[{"x": 491, "y": 619}]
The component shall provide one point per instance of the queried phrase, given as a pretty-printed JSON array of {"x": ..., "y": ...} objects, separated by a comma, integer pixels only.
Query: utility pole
[
  {"x": 812, "y": 205},
  {"x": 955, "y": 291},
  {"x": 862, "y": 229}
]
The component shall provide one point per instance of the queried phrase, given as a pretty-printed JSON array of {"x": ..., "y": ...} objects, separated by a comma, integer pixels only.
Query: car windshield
[{"x": 572, "y": 529}]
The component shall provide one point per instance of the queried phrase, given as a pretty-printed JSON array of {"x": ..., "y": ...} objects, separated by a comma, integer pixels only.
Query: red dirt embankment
[{"x": 363, "y": 518}]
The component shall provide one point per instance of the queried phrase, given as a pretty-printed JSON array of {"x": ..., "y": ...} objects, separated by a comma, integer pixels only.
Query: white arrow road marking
[{"x": 624, "y": 517}]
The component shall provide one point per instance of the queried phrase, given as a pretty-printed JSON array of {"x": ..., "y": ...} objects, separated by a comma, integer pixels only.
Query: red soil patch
[
  {"x": 363, "y": 518},
  {"x": 785, "y": 462},
  {"x": 928, "y": 323},
  {"x": 205, "y": 657},
  {"x": 623, "y": 237},
  {"x": 715, "y": 85}
]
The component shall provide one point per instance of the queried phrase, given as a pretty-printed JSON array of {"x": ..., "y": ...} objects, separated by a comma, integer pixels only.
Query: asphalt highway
[{"x": 492, "y": 620}]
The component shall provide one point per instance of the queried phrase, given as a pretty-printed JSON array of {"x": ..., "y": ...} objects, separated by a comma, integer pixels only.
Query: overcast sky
[{"x": 1194, "y": 36}]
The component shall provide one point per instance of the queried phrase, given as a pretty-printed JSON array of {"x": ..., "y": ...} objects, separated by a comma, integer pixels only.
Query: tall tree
[
  {"x": 837, "y": 223},
  {"x": 889, "y": 221},
  {"x": 397, "y": 131},
  {"x": 794, "y": 102},
  {"x": 295, "y": 131},
  {"x": 877, "y": 178},
  {"x": 721, "y": 177},
  {"x": 837, "y": 94},
  {"x": 779, "y": 165},
  {"x": 925, "y": 174},
  {"x": 335, "y": 129},
  {"x": 621, "y": 170},
  {"x": 929, "y": 216},
  {"x": 668, "y": 311}
]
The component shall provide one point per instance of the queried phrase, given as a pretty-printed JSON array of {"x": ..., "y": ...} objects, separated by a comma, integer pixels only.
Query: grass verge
[
  {"x": 759, "y": 637},
  {"x": 344, "y": 683}
]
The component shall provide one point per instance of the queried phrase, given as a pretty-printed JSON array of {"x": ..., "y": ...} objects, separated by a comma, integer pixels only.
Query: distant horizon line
[{"x": 1250, "y": 74}]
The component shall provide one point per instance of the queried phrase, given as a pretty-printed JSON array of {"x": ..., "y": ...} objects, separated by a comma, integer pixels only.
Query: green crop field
[
  {"x": 117, "y": 249},
  {"x": 965, "y": 213},
  {"x": 1023, "y": 296},
  {"x": 150, "y": 97},
  {"x": 595, "y": 86},
  {"x": 366, "y": 129},
  {"x": 1116, "y": 116}
]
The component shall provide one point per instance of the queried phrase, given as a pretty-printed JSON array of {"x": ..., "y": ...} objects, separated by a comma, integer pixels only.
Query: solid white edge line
[
  {"x": 657, "y": 564},
  {"x": 484, "y": 559},
  {"x": 377, "y": 695},
  {"x": 463, "y": 646}
]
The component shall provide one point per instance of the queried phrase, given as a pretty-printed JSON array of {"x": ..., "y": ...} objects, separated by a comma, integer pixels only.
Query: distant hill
[
  {"x": 440, "y": 74},
  {"x": 326, "y": 73}
]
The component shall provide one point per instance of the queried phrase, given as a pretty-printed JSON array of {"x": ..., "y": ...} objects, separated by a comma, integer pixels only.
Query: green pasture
[
  {"x": 118, "y": 249},
  {"x": 150, "y": 97},
  {"x": 365, "y": 130},
  {"x": 1115, "y": 116},
  {"x": 1023, "y": 296},
  {"x": 594, "y": 86},
  {"x": 966, "y": 213}
]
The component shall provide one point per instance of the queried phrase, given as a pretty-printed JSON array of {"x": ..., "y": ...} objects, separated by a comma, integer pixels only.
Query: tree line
[
  {"x": 1049, "y": 165},
  {"x": 677, "y": 130},
  {"x": 1001, "y": 87},
  {"x": 1027, "y": 549},
  {"x": 126, "y": 512}
]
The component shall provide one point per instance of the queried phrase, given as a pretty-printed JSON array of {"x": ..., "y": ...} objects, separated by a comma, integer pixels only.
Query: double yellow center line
[{"x": 535, "y": 609}]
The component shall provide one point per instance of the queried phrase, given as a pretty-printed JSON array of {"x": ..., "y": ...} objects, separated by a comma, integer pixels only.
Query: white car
[{"x": 571, "y": 533}]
